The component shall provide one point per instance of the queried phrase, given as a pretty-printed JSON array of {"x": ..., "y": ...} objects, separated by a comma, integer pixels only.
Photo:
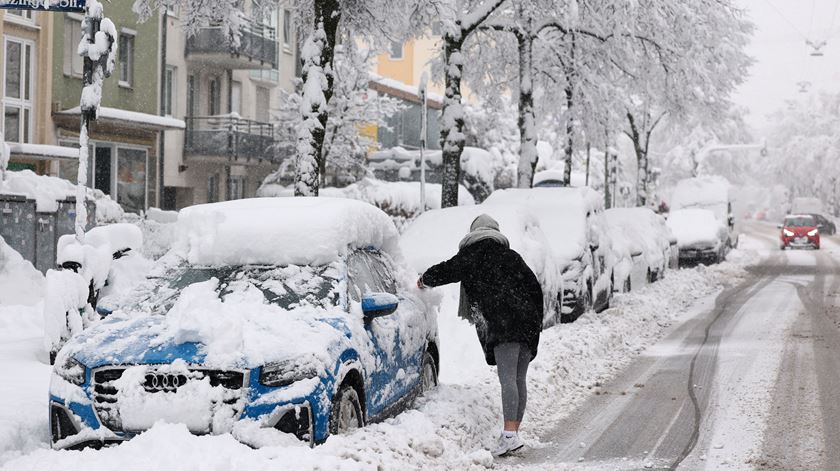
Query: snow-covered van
[
  {"x": 269, "y": 316},
  {"x": 713, "y": 193},
  {"x": 573, "y": 221}
]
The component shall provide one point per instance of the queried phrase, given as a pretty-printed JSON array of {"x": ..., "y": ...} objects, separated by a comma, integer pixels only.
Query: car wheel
[
  {"x": 429, "y": 379},
  {"x": 346, "y": 414}
]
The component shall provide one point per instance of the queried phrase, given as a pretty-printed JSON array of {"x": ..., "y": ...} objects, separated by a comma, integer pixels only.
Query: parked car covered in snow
[
  {"x": 713, "y": 193},
  {"x": 651, "y": 243},
  {"x": 269, "y": 315},
  {"x": 573, "y": 221},
  {"x": 434, "y": 236},
  {"x": 701, "y": 237}
]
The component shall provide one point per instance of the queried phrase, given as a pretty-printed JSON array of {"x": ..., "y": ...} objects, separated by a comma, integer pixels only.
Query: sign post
[{"x": 75, "y": 6}]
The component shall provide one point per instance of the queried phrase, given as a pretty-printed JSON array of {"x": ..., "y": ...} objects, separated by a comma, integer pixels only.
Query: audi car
[
  {"x": 800, "y": 231},
  {"x": 292, "y": 314}
]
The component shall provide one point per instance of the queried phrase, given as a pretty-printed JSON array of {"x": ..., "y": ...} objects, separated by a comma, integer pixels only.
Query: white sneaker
[{"x": 508, "y": 444}]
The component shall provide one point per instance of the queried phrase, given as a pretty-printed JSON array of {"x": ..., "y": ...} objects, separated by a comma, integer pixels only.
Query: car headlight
[
  {"x": 813, "y": 232},
  {"x": 71, "y": 370},
  {"x": 277, "y": 375},
  {"x": 788, "y": 233}
]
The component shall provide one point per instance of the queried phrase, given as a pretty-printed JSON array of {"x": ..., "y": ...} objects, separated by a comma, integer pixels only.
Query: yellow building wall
[{"x": 398, "y": 69}]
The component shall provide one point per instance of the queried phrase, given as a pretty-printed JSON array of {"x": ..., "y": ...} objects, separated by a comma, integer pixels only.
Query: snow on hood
[
  {"x": 224, "y": 326},
  {"x": 562, "y": 213},
  {"x": 695, "y": 227},
  {"x": 282, "y": 231}
]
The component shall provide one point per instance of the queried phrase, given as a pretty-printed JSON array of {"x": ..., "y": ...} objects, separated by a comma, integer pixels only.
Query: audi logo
[{"x": 164, "y": 382}]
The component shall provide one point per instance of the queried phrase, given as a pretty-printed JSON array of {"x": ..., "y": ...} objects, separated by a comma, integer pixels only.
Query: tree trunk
[
  {"x": 528, "y": 155},
  {"x": 607, "y": 163},
  {"x": 310, "y": 161},
  {"x": 452, "y": 130},
  {"x": 641, "y": 161},
  {"x": 570, "y": 142}
]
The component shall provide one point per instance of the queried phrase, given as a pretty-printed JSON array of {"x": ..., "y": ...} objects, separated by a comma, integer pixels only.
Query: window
[
  {"x": 287, "y": 30},
  {"x": 17, "y": 95},
  {"x": 236, "y": 187},
  {"x": 236, "y": 98},
  {"x": 131, "y": 179},
  {"x": 73, "y": 62},
  {"x": 369, "y": 274},
  {"x": 126, "y": 51},
  {"x": 396, "y": 50},
  {"x": 25, "y": 14},
  {"x": 169, "y": 90},
  {"x": 263, "y": 103},
  {"x": 213, "y": 188},
  {"x": 214, "y": 105},
  {"x": 192, "y": 92}
]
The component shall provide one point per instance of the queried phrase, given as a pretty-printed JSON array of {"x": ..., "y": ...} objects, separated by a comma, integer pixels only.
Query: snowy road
[{"x": 751, "y": 383}]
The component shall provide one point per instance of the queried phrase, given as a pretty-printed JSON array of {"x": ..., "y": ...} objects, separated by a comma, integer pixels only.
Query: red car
[{"x": 799, "y": 231}]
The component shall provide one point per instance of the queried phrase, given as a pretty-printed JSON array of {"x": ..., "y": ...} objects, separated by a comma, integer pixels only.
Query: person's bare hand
[{"x": 420, "y": 284}]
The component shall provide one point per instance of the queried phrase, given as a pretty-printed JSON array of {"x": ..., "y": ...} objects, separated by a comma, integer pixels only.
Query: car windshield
[
  {"x": 288, "y": 287},
  {"x": 800, "y": 221}
]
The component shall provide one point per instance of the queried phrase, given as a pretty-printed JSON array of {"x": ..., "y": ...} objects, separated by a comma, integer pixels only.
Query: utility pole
[
  {"x": 423, "y": 125},
  {"x": 98, "y": 65}
]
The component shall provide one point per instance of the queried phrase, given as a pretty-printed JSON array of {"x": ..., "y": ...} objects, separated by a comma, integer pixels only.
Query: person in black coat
[{"x": 503, "y": 298}]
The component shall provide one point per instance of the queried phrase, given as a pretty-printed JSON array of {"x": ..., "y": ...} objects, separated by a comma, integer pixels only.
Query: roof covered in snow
[
  {"x": 43, "y": 151},
  {"x": 281, "y": 231},
  {"x": 131, "y": 118}
]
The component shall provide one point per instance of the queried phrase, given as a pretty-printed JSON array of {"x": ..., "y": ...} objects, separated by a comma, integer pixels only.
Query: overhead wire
[{"x": 793, "y": 26}]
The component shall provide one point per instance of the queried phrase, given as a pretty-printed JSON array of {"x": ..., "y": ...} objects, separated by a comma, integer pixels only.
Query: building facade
[{"x": 225, "y": 93}]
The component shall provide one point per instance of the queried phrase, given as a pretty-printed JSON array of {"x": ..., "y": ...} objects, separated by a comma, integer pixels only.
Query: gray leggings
[{"x": 512, "y": 361}]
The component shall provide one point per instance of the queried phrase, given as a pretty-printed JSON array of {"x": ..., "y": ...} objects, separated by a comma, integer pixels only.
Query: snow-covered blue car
[{"x": 296, "y": 315}]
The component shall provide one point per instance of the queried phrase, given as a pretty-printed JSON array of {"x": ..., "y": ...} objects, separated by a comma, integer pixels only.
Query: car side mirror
[
  {"x": 731, "y": 221},
  {"x": 636, "y": 253},
  {"x": 379, "y": 304},
  {"x": 779, "y": 226}
]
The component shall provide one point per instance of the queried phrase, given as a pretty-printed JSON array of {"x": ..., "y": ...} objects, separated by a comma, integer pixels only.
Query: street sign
[{"x": 44, "y": 5}]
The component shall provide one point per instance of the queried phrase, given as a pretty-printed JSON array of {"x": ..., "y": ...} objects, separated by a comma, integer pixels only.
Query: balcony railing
[
  {"x": 257, "y": 45},
  {"x": 231, "y": 137}
]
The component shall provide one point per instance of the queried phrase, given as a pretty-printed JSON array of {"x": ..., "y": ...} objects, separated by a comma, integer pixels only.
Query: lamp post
[{"x": 424, "y": 79}]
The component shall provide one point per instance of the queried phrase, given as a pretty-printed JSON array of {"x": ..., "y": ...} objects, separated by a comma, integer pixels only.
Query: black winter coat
[{"x": 501, "y": 289}]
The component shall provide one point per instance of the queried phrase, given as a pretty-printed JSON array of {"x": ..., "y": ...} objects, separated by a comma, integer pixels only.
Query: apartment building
[
  {"x": 225, "y": 93},
  {"x": 184, "y": 120}
]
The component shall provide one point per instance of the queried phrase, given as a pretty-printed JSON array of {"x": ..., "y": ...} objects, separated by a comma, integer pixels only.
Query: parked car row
[{"x": 301, "y": 315}]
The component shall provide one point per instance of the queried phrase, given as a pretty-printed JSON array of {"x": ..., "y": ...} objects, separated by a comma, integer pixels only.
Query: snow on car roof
[
  {"x": 562, "y": 213},
  {"x": 700, "y": 191},
  {"x": 281, "y": 231}
]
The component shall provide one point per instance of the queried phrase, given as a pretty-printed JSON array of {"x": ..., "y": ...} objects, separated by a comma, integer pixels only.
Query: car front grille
[{"x": 106, "y": 393}]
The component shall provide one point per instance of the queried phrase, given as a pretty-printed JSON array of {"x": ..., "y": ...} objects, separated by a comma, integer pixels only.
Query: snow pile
[
  {"x": 400, "y": 200},
  {"x": 696, "y": 228},
  {"x": 67, "y": 310},
  {"x": 47, "y": 191},
  {"x": 268, "y": 231},
  {"x": 20, "y": 282}
]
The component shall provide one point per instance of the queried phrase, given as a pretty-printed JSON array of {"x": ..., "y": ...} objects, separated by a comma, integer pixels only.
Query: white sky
[{"x": 782, "y": 57}]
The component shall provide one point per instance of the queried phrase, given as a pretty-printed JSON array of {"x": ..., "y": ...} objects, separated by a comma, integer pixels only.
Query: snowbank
[
  {"x": 47, "y": 191},
  {"x": 20, "y": 282},
  {"x": 267, "y": 231}
]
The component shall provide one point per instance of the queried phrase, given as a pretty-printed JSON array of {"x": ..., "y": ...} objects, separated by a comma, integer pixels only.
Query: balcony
[
  {"x": 257, "y": 47},
  {"x": 230, "y": 138}
]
